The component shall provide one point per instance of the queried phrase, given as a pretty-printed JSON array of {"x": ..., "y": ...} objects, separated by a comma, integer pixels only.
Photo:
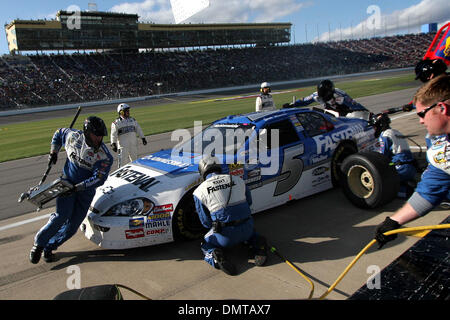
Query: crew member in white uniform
[
  {"x": 223, "y": 205},
  {"x": 123, "y": 135},
  {"x": 264, "y": 102}
]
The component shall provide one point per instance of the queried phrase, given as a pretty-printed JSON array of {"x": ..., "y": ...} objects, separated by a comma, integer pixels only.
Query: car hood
[
  {"x": 163, "y": 161},
  {"x": 157, "y": 177}
]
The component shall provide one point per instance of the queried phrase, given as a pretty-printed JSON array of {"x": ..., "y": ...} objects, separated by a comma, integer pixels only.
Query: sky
[{"x": 312, "y": 20}]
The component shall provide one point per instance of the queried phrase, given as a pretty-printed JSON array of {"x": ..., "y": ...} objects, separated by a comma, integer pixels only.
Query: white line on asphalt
[
  {"x": 403, "y": 115},
  {"x": 17, "y": 224}
]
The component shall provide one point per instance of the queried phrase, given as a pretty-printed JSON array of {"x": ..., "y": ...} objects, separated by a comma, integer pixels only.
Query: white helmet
[
  {"x": 122, "y": 107},
  {"x": 265, "y": 85}
]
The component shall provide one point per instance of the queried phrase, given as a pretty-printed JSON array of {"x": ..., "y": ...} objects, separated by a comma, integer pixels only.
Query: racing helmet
[
  {"x": 265, "y": 85},
  {"x": 208, "y": 165},
  {"x": 325, "y": 90},
  {"x": 426, "y": 68},
  {"x": 382, "y": 122},
  {"x": 121, "y": 108},
  {"x": 96, "y": 126}
]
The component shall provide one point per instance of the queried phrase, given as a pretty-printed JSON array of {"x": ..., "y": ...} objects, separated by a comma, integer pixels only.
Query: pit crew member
[
  {"x": 394, "y": 146},
  {"x": 223, "y": 205},
  {"x": 123, "y": 135},
  {"x": 426, "y": 70},
  {"x": 264, "y": 102},
  {"x": 333, "y": 99},
  {"x": 87, "y": 166},
  {"x": 432, "y": 102}
]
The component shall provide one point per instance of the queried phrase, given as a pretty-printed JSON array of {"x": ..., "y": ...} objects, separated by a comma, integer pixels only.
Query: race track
[{"x": 320, "y": 234}]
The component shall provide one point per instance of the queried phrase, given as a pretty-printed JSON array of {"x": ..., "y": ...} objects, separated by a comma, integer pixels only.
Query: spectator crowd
[{"x": 42, "y": 80}]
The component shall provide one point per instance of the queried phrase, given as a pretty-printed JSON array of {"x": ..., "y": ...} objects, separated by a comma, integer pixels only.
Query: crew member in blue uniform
[
  {"x": 394, "y": 146},
  {"x": 333, "y": 99},
  {"x": 432, "y": 103},
  {"x": 223, "y": 205},
  {"x": 87, "y": 166}
]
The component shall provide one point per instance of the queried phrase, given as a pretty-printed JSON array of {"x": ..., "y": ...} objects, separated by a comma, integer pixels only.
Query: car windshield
[{"x": 220, "y": 138}]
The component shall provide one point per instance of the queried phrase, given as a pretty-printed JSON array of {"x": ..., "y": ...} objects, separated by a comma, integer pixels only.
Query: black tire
[
  {"x": 343, "y": 151},
  {"x": 186, "y": 223},
  {"x": 369, "y": 180}
]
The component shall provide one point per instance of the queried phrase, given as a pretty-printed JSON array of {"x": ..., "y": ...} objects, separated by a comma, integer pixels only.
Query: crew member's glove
[
  {"x": 52, "y": 157},
  {"x": 144, "y": 142},
  {"x": 407, "y": 107},
  {"x": 114, "y": 147},
  {"x": 387, "y": 225},
  {"x": 287, "y": 105}
]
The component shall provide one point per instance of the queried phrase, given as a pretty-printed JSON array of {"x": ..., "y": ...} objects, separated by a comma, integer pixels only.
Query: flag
[{"x": 440, "y": 47}]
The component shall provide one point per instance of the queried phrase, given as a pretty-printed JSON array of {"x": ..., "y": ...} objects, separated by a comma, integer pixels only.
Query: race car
[{"x": 282, "y": 156}]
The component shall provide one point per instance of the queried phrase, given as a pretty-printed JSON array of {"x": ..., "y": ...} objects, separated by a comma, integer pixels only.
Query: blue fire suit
[
  {"x": 434, "y": 185},
  {"x": 341, "y": 103},
  {"x": 86, "y": 168},
  {"x": 224, "y": 201}
]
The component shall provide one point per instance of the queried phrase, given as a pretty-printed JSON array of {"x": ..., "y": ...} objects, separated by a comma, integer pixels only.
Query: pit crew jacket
[
  {"x": 124, "y": 130},
  {"x": 434, "y": 186},
  {"x": 212, "y": 204},
  {"x": 264, "y": 102},
  {"x": 85, "y": 167},
  {"x": 341, "y": 102}
]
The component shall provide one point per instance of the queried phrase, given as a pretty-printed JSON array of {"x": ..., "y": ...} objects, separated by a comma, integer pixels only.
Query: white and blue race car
[{"x": 149, "y": 201}]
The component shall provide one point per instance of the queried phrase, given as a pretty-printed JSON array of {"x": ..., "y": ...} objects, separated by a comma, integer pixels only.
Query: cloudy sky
[{"x": 313, "y": 20}]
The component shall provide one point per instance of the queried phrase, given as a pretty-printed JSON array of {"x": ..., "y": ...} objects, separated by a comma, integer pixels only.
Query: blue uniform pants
[
  {"x": 228, "y": 237},
  {"x": 63, "y": 224}
]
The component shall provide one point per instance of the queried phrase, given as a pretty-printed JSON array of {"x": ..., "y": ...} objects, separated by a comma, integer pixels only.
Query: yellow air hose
[{"x": 413, "y": 231}]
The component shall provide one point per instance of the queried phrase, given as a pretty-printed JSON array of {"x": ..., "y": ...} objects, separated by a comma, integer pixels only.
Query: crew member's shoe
[
  {"x": 221, "y": 263},
  {"x": 49, "y": 256},
  {"x": 259, "y": 253},
  {"x": 35, "y": 254},
  {"x": 261, "y": 257}
]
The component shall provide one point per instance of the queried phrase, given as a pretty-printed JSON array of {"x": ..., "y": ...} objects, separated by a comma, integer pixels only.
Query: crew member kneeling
[{"x": 223, "y": 205}]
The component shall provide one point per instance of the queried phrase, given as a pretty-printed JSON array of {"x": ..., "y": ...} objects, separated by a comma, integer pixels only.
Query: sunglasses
[{"x": 422, "y": 113}]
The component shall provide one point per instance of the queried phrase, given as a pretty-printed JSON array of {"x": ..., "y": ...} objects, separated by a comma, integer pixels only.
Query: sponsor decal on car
[
  {"x": 320, "y": 170},
  {"x": 136, "y": 222},
  {"x": 157, "y": 224},
  {"x": 134, "y": 233},
  {"x": 156, "y": 232},
  {"x": 158, "y": 217},
  {"x": 326, "y": 143},
  {"x": 166, "y": 161},
  {"x": 137, "y": 178},
  {"x": 163, "y": 208}
]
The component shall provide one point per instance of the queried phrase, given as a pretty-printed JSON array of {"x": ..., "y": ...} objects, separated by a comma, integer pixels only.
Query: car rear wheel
[
  {"x": 186, "y": 223},
  {"x": 368, "y": 180}
]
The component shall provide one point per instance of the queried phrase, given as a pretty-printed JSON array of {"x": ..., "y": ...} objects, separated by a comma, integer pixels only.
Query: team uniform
[
  {"x": 123, "y": 133},
  {"x": 341, "y": 104},
  {"x": 223, "y": 205},
  {"x": 434, "y": 186},
  {"x": 86, "y": 168},
  {"x": 393, "y": 145},
  {"x": 264, "y": 102}
]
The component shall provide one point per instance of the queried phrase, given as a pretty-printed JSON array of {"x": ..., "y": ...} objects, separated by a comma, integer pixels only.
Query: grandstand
[
  {"x": 41, "y": 80},
  {"x": 93, "y": 30}
]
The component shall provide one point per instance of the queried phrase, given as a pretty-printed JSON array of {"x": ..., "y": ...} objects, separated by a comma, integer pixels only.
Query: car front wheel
[{"x": 186, "y": 223}]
